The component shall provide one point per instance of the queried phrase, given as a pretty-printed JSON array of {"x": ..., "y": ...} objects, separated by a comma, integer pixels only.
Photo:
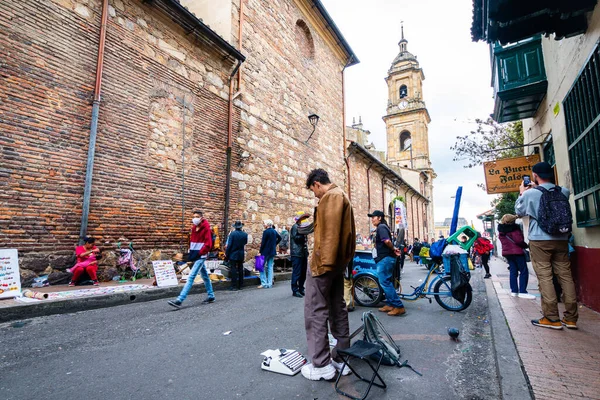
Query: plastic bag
[
  {"x": 40, "y": 281},
  {"x": 259, "y": 263}
]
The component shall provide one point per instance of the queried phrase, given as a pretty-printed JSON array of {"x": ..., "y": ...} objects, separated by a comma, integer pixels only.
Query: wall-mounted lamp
[{"x": 314, "y": 120}]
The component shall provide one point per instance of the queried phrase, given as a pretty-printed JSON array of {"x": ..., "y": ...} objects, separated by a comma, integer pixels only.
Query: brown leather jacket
[{"x": 335, "y": 233}]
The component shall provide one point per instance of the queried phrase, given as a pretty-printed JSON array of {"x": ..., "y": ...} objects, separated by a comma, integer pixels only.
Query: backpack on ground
[
  {"x": 554, "y": 214},
  {"x": 374, "y": 332}
]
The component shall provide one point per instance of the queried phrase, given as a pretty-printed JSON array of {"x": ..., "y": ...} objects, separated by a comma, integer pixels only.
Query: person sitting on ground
[
  {"x": 513, "y": 249},
  {"x": 87, "y": 261}
]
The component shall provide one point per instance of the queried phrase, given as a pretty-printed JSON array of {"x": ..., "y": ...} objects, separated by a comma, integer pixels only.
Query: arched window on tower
[
  {"x": 403, "y": 91},
  {"x": 405, "y": 140}
]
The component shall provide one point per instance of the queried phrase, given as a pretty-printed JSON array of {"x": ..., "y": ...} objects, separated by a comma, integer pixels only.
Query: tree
[{"x": 491, "y": 141}]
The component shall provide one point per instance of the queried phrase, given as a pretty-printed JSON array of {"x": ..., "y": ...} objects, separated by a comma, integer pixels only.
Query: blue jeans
[
  {"x": 385, "y": 268},
  {"x": 198, "y": 266},
  {"x": 518, "y": 269},
  {"x": 266, "y": 275}
]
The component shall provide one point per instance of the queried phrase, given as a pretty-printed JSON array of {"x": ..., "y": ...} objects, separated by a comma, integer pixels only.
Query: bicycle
[{"x": 368, "y": 292}]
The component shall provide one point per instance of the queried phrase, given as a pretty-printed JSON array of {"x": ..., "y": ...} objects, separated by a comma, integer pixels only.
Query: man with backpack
[
  {"x": 550, "y": 222},
  {"x": 385, "y": 255}
]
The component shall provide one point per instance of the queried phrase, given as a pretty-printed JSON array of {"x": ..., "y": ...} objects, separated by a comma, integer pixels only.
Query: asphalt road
[{"x": 150, "y": 351}]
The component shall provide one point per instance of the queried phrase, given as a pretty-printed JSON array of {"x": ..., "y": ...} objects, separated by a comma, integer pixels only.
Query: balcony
[{"x": 519, "y": 79}]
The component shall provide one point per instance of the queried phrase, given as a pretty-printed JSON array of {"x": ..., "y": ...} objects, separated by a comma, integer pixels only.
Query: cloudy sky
[{"x": 456, "y": 87}]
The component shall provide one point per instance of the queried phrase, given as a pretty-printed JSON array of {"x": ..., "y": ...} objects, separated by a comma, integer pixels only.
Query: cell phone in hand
[{"x": 526, "y": 180}]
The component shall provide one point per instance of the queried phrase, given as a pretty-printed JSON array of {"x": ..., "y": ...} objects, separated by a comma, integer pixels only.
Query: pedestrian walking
[
  {"x": 400, "y": 244},
  {"x": 299, "y": 255},
  {"x": 268, "y": 249},
  {"x": 416, "y": 248},
  {"x": 385, "y": 255},
  {"x": 513, "y": 249},
  {"x": 482, "y": 248},
  {"x": 550, "y": 223},
  {"x": 200, "y": 246},
  {"x": 235, "y": 253},
  {"x": 334, "y": 245}
]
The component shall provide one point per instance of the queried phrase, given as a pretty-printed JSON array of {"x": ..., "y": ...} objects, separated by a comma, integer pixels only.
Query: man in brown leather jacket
[{"x": 334, "y": 245}]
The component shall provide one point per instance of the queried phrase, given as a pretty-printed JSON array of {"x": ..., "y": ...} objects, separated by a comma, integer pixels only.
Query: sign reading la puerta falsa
[{"x": 505, "y": 175}]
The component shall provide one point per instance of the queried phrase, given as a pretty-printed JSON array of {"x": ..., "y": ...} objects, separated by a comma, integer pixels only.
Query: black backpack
[{"x": 554, "y": 214}]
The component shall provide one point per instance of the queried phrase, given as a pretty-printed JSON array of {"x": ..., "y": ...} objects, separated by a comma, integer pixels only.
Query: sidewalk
[
  {"x": 108, "y": 294},
  {"x": 561, "y": 364}
]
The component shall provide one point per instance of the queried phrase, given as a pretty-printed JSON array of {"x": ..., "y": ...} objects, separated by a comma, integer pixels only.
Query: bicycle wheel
[
  {"x": 367, "y": 292},
  {"x": 443, "y": 295}
]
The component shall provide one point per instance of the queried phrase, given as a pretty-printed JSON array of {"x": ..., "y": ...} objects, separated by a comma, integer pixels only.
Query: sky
[{"x": 456, "y": 89}]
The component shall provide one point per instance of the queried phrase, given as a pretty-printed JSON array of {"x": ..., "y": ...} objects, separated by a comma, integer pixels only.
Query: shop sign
[{"x": 505, "y": 175}]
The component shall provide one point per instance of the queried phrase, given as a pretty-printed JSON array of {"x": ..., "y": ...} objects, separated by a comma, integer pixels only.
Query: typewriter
[{"x": 283, "y": 361}]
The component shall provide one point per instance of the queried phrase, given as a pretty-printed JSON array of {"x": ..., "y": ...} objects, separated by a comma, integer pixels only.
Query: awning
[{"x": 509, "y": 21}]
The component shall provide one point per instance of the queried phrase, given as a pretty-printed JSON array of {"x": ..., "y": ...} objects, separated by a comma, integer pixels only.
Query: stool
[{"x": 361, "y": 350}]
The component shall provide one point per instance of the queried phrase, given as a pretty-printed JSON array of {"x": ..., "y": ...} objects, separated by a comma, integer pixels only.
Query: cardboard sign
[
  {"x": 10, "y": 278},
  {"x": 164, "y": 273},
  {"x": 505, "y": 175}
]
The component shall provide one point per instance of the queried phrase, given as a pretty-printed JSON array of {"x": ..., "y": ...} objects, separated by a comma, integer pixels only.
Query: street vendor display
[{"x": 10, "y": 279}]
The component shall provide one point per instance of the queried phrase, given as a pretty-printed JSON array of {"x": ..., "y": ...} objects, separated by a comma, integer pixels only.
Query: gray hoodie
[{"x": 528, "y": 204}]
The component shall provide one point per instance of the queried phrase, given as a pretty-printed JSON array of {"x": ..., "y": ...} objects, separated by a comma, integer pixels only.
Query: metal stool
[{"x": 361, "y": 350}]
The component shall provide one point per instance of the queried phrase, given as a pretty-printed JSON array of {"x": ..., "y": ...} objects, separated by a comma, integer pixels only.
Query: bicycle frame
[{"x": 419, "y": 291}]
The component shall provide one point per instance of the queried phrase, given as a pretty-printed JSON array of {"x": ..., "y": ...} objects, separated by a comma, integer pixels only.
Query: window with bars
[
  {"x": 549, "y": 151},
  {"x": 582, "y": 115}
]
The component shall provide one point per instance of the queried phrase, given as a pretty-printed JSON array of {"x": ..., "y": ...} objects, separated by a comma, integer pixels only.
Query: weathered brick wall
[
  {"x": 288, "y": 75},
  {"x": 48, "y": 59}
]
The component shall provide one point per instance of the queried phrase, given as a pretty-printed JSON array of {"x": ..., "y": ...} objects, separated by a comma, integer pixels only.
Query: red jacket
[
  {"x": 514, "y": 247},
  {"x": 201, "y": 234},
  {"x": 482, "y": 246}
]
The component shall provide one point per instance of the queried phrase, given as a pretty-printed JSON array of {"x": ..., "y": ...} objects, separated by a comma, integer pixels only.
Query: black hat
[
  {"x": 238, "y": 224},
  {"x": 376, "y": 213},
  {"x": 543, "y": 170}
]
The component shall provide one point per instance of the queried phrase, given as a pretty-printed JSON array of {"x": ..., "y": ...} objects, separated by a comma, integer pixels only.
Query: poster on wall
[
  {"x": 10, "y": 278},
  {"x": 164, "y": 273},
  {"x": 505, "y": 175},
  {"x": 400, "y": 218}
]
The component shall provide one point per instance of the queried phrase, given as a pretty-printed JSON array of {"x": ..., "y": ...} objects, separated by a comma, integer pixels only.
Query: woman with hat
[{"x": 513, "y": 249}]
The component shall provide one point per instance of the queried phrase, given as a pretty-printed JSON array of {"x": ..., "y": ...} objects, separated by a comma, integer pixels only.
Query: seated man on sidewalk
[{"x": 550, "y": 221}]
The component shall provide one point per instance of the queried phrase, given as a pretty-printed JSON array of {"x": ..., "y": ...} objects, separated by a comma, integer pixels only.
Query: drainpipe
[
  {"x": 383, "y": 192},
  {"x": 87, "y": 190},
  {"x": 346, "y": 160},
  {"x": 230, "y": 124},
  {"x": 369, "y": 188},
  {"x": 412, "y": 215}
]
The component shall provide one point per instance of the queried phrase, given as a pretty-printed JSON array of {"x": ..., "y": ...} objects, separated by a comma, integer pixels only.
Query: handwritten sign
[
  {"x": 506, "y": 175},
  {"x": 10, "y": 279},
  {"x": 164, "y": 272}
]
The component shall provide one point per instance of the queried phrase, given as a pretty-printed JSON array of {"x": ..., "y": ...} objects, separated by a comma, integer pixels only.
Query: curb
[
  {"x": 32, "y": 310},
  {"x": 513, "y": 382}
]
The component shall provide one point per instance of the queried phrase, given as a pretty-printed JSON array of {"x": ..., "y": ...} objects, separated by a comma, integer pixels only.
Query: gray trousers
[{"x": 323, "y": 303}]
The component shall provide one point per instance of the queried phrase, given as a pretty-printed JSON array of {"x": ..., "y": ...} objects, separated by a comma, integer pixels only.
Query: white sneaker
[
  {"x": 513, "y": 294},
  {"x": 338, "y": 367},
  {"x": 526, "y": 296},
  {"x": 313, "y": 373}
]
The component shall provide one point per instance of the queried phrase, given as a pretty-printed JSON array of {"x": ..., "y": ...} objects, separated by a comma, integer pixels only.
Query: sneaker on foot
[
  {"x": 338, "y": 367},
  {"x": 546, "y": 323},
  {"x": 350, "y": 308},
  {"x": 208, "y": 300},
  {"x": 71, "y": 283},
  {"x": 297, "y": 294},
  {"x": 526, "y": 296},
  {"x": 513, "y": 294},
  {"x": 95, "y": 283},
  {"x": 260, "y": 286},
  {"x": 174, "y": 303},
  {"x": 302, "y": 292},
  {"x": 487, "y": 276},
  {"x": 386, "y": 308},
  {"x": 397, "y": 311},
  {"x": 313, "y": 373},
  {"x": 568, "y": 324}
]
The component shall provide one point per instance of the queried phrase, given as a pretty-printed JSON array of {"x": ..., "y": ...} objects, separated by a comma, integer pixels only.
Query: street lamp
[{"x": 314, "y": 120}]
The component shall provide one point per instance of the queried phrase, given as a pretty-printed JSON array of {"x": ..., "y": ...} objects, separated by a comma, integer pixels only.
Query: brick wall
[{"x": 48, "y": 58}]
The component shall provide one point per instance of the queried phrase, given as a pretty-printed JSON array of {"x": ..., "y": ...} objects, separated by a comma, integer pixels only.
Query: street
[{"x": 150, "y": 351}]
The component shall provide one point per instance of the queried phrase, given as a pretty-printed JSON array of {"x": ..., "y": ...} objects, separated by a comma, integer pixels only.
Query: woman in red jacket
[
  {"x": 513, "y": 245},
  {"x": 483, "y": 247}
]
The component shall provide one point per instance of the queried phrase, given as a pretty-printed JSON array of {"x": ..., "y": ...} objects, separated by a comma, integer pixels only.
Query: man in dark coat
[
  {"x": 234, "y": 251},
  {"x": 299, "y": 253},
  {"x": 268, "y": 249}
]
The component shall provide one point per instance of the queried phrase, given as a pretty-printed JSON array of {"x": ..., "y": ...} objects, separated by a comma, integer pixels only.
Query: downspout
[
  {"x": 346, "y": 160},
  {"x": 412, "y": 215},
  {"x": 369, "y": 188},
  {"x": 87, "y": 190},
  {"x": 230, "y": 125},
  {"x": 383, "y": 193}
]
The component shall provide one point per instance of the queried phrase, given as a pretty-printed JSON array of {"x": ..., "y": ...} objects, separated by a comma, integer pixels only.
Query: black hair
[
  {"x": 89, "y": 239},
  {"x": 317, "y": 175},
  {"x": 198, "y": 212}
]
